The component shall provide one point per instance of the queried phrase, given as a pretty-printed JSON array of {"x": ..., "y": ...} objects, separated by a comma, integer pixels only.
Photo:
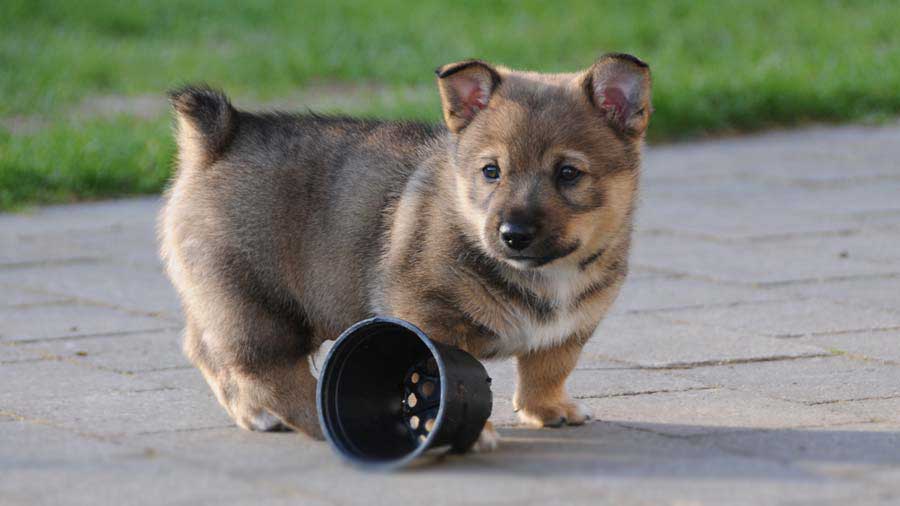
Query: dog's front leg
[{"x": 541, "y": 399}]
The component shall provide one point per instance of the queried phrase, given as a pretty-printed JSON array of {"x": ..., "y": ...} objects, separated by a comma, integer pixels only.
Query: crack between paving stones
[
  {"x": 150, "y": 390},
  {"x": 55, "y": 302},
  {"x": 682, "y": 234},
  {"x": 855, "y": 331},
  {"x": 68, "y": 299},
  {"x": 24, "y": 361},
  {"x": 736, "y": 361},
  {"x": 75, "y": 337},
  {"x": 858, "y": 399},
  {"x": 47, "y": 423},
  {"x": 720, "y": 305},
  {"x": 189, "y": 429},
  {"x": 645, "y": 392},
  {"x": 51, "y": 263},
  {"x": 679, "y": 366},
  {"x": 764, "y": 284},
  {"x": 186, "y": 367},
  {"x": 829, "y": 279}
]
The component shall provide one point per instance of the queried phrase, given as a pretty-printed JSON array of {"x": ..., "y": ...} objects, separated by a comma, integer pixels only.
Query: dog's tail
[{"x": 206, "y": 124}]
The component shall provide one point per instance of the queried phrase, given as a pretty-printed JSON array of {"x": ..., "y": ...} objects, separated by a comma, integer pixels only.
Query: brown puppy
[{"x": 505, "y": 233}]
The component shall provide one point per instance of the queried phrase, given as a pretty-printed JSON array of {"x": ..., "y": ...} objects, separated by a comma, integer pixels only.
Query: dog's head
[{"x": 546, "y": 164}]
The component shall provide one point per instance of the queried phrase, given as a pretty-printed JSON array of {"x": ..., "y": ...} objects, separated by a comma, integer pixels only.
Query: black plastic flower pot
[{"x": 387, "y": 395}]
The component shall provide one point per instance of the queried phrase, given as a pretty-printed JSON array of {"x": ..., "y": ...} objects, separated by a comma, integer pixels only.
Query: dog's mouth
[{"x": 535, "y": 261}]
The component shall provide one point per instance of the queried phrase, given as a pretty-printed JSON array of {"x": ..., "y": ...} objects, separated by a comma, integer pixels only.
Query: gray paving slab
[
  {"x": 129, "y": 353},
  {"x": 841, "y": 153},
  {"x": 103, "y": 403},
  {"x": 881, "y": 293},
  {"x": 132, "y": 286},
  {"x": 844, "y": 447},
  {"x": 762, "y": 263},
  {"x": 715, "y": 410},
  {"x": 743, "y": 223},
  {"x": 19, "y": 296},
  {"x": 45, "y": 465},
  {"x": 787, "y": 319},
  {"x": 881, "y": 345},
  {"x": 595, "y": 378},
  {"x": 724, "y": 193},
  {"x": 71, "y": 320},
  {"x": 11, "y": 354},
  {"x": 886, "y": 410},
  {"x": 671, "y": 341},
  {"x": 660, "y": 293},
  {"x": 752, "y": 256},
  {"x": 810, "y": 380}
]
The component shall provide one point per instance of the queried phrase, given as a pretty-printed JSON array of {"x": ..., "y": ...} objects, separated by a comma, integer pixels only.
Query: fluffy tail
[{"x": 206, "y": 123}]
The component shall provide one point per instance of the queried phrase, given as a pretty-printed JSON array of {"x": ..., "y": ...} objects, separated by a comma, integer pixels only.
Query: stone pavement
[{"x": 753, "y": 357}]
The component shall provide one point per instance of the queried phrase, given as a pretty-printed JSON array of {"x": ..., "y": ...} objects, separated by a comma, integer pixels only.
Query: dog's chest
[{"x": 529, "y": 331}]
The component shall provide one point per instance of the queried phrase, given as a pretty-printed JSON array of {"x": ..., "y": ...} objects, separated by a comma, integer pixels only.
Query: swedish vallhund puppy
[{"x": 505, "y": 232}]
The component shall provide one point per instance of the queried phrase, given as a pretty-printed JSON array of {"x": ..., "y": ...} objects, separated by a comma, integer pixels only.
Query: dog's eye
[
  {"x": 568, "y": 173},
  {"x": 491, "y": 172}
]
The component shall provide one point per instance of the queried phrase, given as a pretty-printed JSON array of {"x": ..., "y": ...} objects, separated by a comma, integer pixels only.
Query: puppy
[{"x": 504, "y": 232}]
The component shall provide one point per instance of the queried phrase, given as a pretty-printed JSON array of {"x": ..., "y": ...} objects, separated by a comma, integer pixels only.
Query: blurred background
[{"x": 82, "y": 84}]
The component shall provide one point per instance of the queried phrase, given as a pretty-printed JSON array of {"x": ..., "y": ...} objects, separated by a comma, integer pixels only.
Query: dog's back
[{"x": 262, "y": 193}]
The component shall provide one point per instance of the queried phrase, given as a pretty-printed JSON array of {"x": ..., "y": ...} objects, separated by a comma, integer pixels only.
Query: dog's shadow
[{"x": 640, "y": 449}]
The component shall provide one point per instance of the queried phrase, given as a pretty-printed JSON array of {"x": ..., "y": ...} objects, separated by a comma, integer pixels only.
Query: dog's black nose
[{"x": 517, "y": 236}]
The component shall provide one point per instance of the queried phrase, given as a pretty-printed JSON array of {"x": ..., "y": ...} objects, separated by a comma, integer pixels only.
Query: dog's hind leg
[{"x": 258, "y": 373}]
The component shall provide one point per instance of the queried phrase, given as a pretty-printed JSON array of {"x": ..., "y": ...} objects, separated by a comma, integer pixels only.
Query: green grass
[{"x": 718, "y": 66}]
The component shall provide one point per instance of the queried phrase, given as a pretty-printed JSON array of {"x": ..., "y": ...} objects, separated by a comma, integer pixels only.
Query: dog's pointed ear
[
  {"x": 618, "y": 85},
  {"x": 466, "y": 88}
]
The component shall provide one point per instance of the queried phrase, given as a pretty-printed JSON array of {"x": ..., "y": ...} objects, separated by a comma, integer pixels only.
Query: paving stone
[
  {"x": 13, "y": 296},
  {"x": 727, "y": 194},
  {"x": 651, "y": 340},
  {"x": 847, "y": 448},
  {"x": 98, "y": 231},
  {"x": 877, "y": 410},
  {"x": 181, "y": 378},
  {"x": 77, "y": 247},
  {"x": 136, "y": 287},
  {"x": 877, "y": 345},
  {"x": 30, "y": 384},
  {"x": 104, "y": 403},
  {"x": 795, "y": 318},
  {"x": 87, "y": 217},
  {"x": 45, "y": 465},
  {"x": 881, "y": 293},
  {"x": 596, "y": 378},
  {"x": 129, "y": 353},
  {"x": 10, "y": 353},
  {"x": 255, "y": 455},
  {"x": 70, "y": 320},
  {"x": 813, "y": 380},
  {"x": 818, "y": 154},
  {"x": 652, "y": 294},
  {"x": 728, "y": 221},
  {"x": 880, "y": 219},
  {"x": 776, "y": 262},
  {"x": 712, "y": 411}
]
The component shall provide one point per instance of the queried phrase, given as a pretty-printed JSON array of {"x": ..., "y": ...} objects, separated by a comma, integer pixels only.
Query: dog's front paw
[
  {"x": 547, "y": 413},
  {"x": 488, "y": 440}
]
